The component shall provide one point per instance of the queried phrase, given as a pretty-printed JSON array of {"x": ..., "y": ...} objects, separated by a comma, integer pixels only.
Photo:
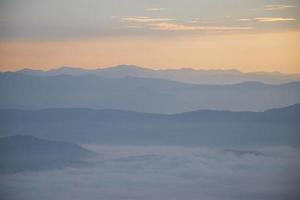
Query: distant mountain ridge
[
  {"x": 18, "y": 90},
  {"x": 185, "y": 75},
  {"x": 202, "y": 127}
]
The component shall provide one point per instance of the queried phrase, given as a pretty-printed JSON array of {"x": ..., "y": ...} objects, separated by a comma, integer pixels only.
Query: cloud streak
[
  {"x": 278, "y": 7},
  {"x": 155, "y": 9},
  {"x": 245, "y": 20},
  {"x": 274, "y": 19},
  {"x": 268, "y": 19},
  {"x": 167, "y": 26},
  {"x": 145, "y": 19}
]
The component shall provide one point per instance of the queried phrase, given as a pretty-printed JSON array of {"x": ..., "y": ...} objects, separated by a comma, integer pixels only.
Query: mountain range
[
  {"x": 204, "y": 127},
  {"x": 185, "y": 75},
  {"x": 19, "y": 90}
]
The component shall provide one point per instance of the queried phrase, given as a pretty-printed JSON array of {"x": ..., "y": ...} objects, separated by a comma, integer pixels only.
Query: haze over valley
[{"x": 127, "y": 127}]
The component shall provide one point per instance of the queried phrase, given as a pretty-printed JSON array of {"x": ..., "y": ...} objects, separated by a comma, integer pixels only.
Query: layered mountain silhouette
[
  {"x": 186, "y": 75},
  {"x": 27, "y": 153},
  {"x": 18, "y": 90},
  {"x": 204, "y": 127}
]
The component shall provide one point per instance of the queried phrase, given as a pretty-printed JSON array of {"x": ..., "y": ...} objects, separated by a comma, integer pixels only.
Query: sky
[{"x": 248, "y": 35}]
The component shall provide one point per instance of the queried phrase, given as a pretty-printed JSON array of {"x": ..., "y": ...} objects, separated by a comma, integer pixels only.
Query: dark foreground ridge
[{"x": 27, "y": 153}]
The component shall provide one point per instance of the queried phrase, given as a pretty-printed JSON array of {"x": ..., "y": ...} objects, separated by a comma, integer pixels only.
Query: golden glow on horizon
[{"x": 245, "y": 52}]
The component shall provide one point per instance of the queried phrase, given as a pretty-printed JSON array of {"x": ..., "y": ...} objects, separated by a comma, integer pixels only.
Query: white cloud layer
[{"x": 166, "y": 173}]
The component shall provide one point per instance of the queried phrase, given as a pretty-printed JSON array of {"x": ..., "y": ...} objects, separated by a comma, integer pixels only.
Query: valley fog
[{"x": 166, "y": 173}]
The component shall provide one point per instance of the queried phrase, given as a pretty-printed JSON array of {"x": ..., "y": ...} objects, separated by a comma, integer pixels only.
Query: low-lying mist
[{"x": 166, "y": 173}]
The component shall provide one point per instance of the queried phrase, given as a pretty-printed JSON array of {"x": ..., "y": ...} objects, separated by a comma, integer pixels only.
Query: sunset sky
[{"x": 248, "y": 35}]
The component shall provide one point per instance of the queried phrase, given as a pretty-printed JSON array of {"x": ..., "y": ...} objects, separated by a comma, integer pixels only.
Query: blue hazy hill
[
  {"x": 140, "y": 94},
  {"x": 203, "y": 127}
]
